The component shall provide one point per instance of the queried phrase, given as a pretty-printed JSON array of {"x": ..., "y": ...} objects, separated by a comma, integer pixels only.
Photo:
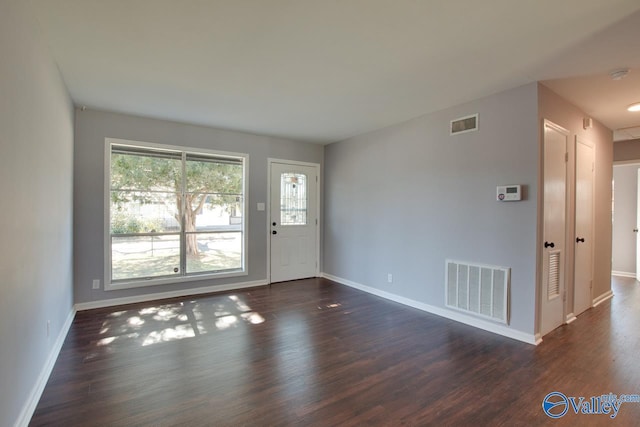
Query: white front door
[
  {"x": 585, "y": 164},
  {"x": 294, "y": 221},
  {"x": 554, "y": 231}
]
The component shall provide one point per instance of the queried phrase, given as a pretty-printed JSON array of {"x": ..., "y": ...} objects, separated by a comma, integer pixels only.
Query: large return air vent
[
  {"x": 478, "y": 289},
  {"x": 464, "y": 124}
]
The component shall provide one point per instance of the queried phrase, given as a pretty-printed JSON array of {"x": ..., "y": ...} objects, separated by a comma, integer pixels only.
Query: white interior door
[
  {"x": 294, "y": 221},
  {"x": 554, "y": 227},
  {"x": 637, "y": 228},
  {"x": 583, "y": 270}
]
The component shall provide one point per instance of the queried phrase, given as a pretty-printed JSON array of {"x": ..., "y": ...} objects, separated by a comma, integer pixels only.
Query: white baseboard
[
  {"x": 171, "y": 294},
  {"x": 458, "y": 317},
  {"x": 34, "y": 397},
  {"x": 623, "y": 274},
  {"x": 571, "y": 318},
  {"x": 602, "y": 298},
  {"x": 538, "y": 338}
]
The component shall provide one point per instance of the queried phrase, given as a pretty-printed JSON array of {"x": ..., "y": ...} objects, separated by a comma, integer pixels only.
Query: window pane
[
  {"x": 143, "y": 212},
  {"x": 293, "y": 199},
  {"x": 213, "y": 252},
  {"x": 145, "y": 256},
  {"x": 211, "y": 212},
  {"x": 214, "y": 177},
  {"x": 171, "y": 208},
  {"x": 145, "y": 173}
]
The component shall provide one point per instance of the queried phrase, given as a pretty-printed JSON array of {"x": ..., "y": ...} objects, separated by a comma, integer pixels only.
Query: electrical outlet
[
  {"x": 96, "y": 283},
  {"x": 48, "y": 328},
  {"x": 390, "y": 278}
]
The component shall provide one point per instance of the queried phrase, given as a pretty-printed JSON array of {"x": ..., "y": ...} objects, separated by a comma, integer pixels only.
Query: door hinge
[
  {"x": 316, "y": 221},
  {"x": 566, "y": 157},
  {"x": 316, "y": 178},
  {"x": 564, "y": 295}
]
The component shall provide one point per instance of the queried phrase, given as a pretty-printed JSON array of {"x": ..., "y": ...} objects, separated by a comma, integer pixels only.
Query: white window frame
[{"x": 136, "y": 283}]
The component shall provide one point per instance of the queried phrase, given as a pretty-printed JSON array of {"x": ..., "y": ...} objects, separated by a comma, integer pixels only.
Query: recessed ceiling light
[{"x": 634, "y": 107}]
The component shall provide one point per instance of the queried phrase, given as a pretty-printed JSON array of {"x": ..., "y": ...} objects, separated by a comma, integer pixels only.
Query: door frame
[
  {"x": 317, "y": 166},
  {"x": 633, "y": 162}
]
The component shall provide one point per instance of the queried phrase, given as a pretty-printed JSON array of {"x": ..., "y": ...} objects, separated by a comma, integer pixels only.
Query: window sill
[{"x": 171, "y": 280}]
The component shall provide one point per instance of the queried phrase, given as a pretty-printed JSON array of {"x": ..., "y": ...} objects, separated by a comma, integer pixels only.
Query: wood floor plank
[{"x": 313, "y": 352}]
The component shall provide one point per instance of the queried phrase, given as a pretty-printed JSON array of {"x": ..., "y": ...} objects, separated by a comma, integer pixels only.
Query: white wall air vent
[
  {"x": 464, "y": 124},
  {"x": 481, "y": 290}
]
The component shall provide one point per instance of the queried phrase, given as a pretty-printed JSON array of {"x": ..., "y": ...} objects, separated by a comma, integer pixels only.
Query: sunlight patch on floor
[
  {"x": 253, "y": 318},
  {"x": 176, "y": 321},
  {"x": 169, "y": 334},
  {"x": 332, "y": 305}
]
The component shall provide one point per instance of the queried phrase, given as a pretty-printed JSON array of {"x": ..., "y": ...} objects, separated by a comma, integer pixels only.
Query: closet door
[
  {"x": 583, "y": 269},
  {"x": 554, "y": 226}
]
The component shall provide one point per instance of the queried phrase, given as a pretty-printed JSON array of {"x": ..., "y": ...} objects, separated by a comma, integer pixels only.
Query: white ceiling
[{"x": 324, "y": 70}]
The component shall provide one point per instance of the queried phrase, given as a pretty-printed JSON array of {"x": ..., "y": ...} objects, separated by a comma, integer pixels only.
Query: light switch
[{"x": 260, "y": 206}]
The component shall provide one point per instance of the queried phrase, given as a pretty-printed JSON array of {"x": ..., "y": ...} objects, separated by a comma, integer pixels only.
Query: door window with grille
[{"x": 293, "y": 199}]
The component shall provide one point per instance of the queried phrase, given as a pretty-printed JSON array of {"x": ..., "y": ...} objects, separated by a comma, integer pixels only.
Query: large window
[{"x": 173, "y": 213}]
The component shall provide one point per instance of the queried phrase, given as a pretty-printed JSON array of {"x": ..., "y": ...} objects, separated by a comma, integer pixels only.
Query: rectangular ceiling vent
[
  {"x": 464, "y": 124},
  {"x": 630, "y": 133},
  {"x": 481, "y": 290}
]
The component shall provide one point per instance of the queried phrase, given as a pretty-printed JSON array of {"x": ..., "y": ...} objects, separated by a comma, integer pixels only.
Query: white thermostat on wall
[{"x": 509, "y": 193}]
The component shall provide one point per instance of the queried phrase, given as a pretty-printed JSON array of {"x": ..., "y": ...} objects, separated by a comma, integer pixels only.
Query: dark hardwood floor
[{"x": 313, "y": 352}]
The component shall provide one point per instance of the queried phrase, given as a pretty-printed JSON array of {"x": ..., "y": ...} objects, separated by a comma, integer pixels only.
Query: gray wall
[
  {"x": 92, "y": 127},
  {"x": 403, "y": 199},
  {"x": 625, "y": 179},
  {"x": 626, "y": 150},
  {"x": 561, "y": 112},
  {"x": 36, "y": 140}
]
